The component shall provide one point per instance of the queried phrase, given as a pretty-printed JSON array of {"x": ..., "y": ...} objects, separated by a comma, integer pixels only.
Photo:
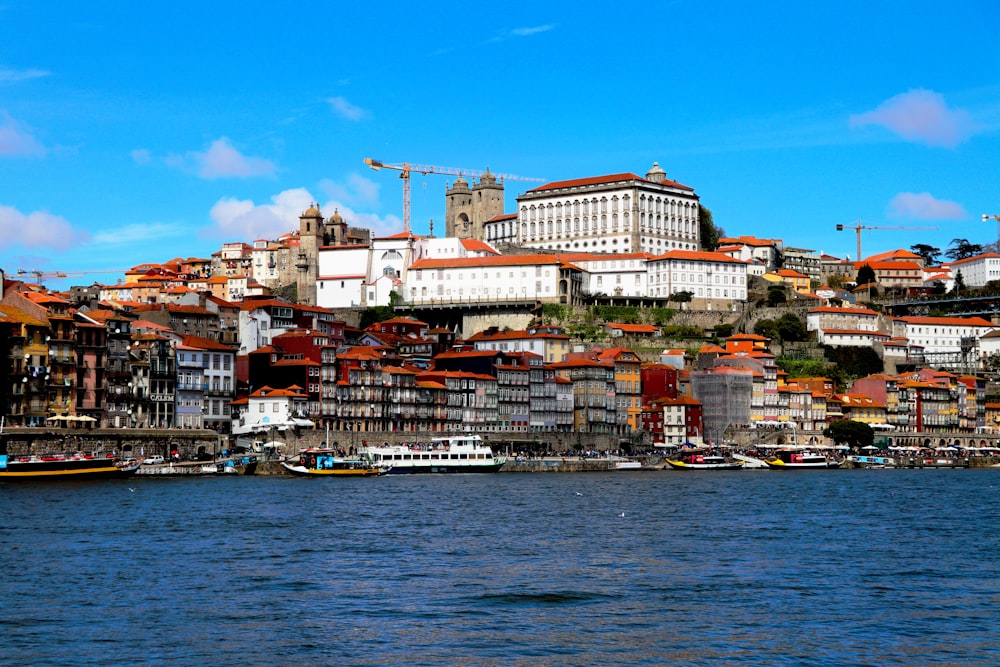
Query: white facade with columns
[{"x": 618, "y": 213}]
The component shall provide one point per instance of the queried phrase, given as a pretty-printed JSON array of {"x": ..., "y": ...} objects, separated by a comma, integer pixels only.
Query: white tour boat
[{"x": 456, "y": 453}]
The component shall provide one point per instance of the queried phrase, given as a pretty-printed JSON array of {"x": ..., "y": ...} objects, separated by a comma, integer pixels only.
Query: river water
[{"x": 875, "y": 567}]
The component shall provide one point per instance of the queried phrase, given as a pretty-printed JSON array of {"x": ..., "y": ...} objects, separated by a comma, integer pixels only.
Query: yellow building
[{"x": 797, "y": 281}]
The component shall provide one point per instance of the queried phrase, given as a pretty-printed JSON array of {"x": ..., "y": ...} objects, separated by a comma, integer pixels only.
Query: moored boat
[
  {"x": 65, "y": 467},
  {"x": 457, "y": 453},
  {"x": 869, "y": 461},
  {"x": 326, "y": 463},
  {"x": 701, "y": 459},
  {"x": 796, "y": 458}
]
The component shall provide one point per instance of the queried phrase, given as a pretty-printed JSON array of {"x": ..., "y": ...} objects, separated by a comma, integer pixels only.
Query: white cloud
[
  {"x": 358, "y": 190},
  {"x": 526, "y": 31},
  {"x": 8, "y": 75},
  {"x": 921, "y": 116},
  {"x": 219, "y": 160},
  {"x": 533, "y": 30},
  {"x": 38, "y": 229},
  {"x": 346, "y": 110},
  {"x": 16, "y": 140},
  {"x": 923, "y": 206},
  {"x": 242, "y": 219},
  {"x": 139, "y": 233}
]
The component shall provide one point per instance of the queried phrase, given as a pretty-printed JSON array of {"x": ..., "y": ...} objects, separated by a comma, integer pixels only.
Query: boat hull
[
  {"x": 443, "y": 468},
  {"x": 728, "y": 465},
  {"x": 809, "y": 465},
  {"x": 360, "y": 471},
  {"x": 66, "y": 469}
]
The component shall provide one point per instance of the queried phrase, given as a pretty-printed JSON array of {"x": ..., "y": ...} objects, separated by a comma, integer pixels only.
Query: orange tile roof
[
  {"x": 889, "y": 266},
  {"x": 788, "y": 273},
  {"x": 632, "y": 328},
  {"x": 947, "y": 321},
  {"x": 893, "y": 254},
  {"x": 985, "y": 255},
  {"x": 476, "y": 245},
  {"x": 750, "y": 241},
  {"x": 698, "y": 255},
  {"x": 601, "y": 180}
]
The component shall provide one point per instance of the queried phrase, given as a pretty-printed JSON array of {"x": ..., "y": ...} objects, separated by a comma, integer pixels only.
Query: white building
[
  {"x": 267, "y": 409},
  {"x": 451, "y": 247},
  {"x": 266, "y": 257},
  {"x": 765, "y": 251},
  {"x": 714, "y": 280},
  {"x": 979, "y": 270},
  {"x": 363, "y": 276},
  {"x": 942, "y": 334},
  {"x": 500, "y": 279},
  {"x": 850, "y": 327},
  {"x": 618, "y": 213},
  {"x": 614, "y": 275}
]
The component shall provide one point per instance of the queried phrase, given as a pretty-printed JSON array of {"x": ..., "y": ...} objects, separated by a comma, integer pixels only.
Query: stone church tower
[
  {"x": 307, "y": 262},
  {"x": 467, "y": 209}
]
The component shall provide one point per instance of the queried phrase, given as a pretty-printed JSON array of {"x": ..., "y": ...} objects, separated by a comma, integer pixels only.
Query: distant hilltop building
[{"x": 617, "y": 213}]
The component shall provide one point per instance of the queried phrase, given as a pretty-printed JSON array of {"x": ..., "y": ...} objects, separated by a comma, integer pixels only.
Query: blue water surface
[{"x": 874, "y": 567}]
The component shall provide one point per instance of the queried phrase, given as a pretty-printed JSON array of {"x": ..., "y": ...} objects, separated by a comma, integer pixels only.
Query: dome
[
  {"x": 336, "y": 218},
  {"x": 656, "y": 174},
  {"x": 312, "y": 212}
]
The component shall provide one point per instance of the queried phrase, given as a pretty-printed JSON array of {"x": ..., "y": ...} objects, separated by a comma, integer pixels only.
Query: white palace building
[{"x": 618, "y": 213}]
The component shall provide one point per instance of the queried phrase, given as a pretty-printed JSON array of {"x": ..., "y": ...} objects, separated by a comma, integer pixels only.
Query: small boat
[
  {"x": 868, "y": 461},
  {"x": 65, "y": 467},
  {"x": 701, "y": 459},
  {"x": 751, "y": 461},
  {"x": 796, "y": 458},
  {"x": 457, "y": 453},
  {"x": 326, "y": 463}
]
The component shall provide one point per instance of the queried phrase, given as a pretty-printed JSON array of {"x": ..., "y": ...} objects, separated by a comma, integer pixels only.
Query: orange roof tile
[{"x": 601, "y": 180}]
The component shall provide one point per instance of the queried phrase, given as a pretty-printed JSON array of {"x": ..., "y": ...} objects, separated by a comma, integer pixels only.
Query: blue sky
[{"x": 134, "y": 132}]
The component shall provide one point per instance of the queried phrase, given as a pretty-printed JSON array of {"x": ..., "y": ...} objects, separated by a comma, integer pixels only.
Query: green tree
[
  {"x": 723, "y": 330},
  {"x": 959, "y": 284},
  {"x": 776, "y": 295},
  {"x": 854, "y": 362},
  {"x": 850, "y": 433},
  {"x": 681, "y": 297},
  {"x": 768, "y": 329},
  {"x": 961, "y": 248},
  {"x": 708, "y": 233},
  {"x": 790, "y": 328},
  {"x": 930, "y": 254},
  {"x": 866, "y": 274}
]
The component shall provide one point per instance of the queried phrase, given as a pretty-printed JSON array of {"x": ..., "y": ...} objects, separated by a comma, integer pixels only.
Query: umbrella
[{"x": 58, "y": 418}]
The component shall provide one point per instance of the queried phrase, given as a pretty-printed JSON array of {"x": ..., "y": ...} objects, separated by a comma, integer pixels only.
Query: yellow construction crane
[
  {"x": 40, "y": 275},
  {"x": 406, "y": 168},
  {"x": 858, "y": 227}
]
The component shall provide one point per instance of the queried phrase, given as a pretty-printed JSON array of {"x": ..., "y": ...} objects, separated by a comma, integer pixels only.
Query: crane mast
[
  {"x": 859, "y": 227},
  {"x": 407, "y": 168}
]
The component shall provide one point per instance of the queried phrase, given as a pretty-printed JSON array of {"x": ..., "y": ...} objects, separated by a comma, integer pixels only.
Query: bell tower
[
  {"x": 307, "y": 261},
  {"x": 467, "y": 209}
]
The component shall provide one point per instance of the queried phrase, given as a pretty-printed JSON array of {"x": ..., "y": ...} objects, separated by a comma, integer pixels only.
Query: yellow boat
[{"x": 325, "y": 463}]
